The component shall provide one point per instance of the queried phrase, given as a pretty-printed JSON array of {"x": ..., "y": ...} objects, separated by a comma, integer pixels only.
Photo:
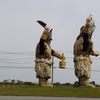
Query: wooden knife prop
[{"x": 43, "y": 24}]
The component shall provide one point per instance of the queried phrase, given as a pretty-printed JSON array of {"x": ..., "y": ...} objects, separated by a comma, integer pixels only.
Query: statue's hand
[
  {"x": 63, "y": 57},
  {"x": 46, "y": 28},
  {"x": 96, "y": 53}
]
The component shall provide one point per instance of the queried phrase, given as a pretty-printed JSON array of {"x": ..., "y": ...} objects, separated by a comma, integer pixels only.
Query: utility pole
[{"x": 52, "y": 68}]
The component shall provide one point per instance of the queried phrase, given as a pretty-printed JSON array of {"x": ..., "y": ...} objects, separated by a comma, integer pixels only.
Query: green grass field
[{"x": 51, "y": 91}]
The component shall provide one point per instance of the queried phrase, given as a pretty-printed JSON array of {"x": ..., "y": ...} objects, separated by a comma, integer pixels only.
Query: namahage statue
[
  {"x": 83, "y": 48},
  {"x": 43, "y": 56}
]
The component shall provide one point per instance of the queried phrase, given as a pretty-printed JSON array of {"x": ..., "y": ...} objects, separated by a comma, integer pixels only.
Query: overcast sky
[{"x": 19, "y": 34}]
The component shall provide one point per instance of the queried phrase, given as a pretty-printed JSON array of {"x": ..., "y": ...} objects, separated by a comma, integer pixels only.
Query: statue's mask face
[{"x": 49, "y": 38}]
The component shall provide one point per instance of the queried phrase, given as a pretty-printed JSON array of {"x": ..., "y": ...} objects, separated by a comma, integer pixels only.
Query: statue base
[{"x": 44, "y": 83}]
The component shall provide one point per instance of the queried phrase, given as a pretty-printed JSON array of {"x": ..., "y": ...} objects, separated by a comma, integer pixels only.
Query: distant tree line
[{"x": 14, "y": 82}]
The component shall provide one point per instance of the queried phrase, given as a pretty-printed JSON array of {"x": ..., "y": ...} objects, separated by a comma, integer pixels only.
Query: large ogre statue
[
  {"x": 43, "y": 56},
  {"x": 83, "y": 48}
]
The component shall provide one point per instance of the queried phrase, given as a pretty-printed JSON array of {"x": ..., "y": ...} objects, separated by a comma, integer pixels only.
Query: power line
[
  {"x": 21, "y": 53},
  {"x": 73, "y": 69},
  {"x": 16, "y": 58},
  {"x": 16, "y": 67},
  {"x": 14, "y": 62},
  {"x": 35, "y": 57},
  {"x": 25, "y": 53},
  {"x": 65, "y": 51},
  {"x": 34, "y": 67},
  {"x": 33, "y": 53},
  {"x": 26, "y": 60}
]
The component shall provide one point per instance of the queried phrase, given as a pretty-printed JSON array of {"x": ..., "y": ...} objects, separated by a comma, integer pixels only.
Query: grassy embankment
[{"x": 48, "y": 91}]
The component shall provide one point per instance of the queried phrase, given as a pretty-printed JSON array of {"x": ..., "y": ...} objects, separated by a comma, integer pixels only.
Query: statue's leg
[
  {"x": 83, "y": 70},
  {"x": 47, "y": 84},
  {"x": 43, "y": 71},
  {"x": 84, "y": 82},
  {"x": 41, "y": 81},
  {"x": 44, "y": 82}
]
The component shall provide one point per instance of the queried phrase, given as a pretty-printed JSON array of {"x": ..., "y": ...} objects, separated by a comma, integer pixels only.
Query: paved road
[{"x": 43, "y": 98}]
